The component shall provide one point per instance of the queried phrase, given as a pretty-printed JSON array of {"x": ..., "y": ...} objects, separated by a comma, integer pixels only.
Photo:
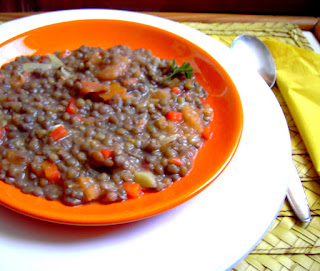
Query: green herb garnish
[{"x": 186, "y": 68}]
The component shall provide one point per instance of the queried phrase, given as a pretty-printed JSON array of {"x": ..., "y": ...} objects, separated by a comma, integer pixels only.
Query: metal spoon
[{"x": 257, "y": 55}]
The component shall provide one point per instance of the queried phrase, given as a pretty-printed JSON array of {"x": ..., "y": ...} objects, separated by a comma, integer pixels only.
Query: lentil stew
[{"x": 96, "y": 125}]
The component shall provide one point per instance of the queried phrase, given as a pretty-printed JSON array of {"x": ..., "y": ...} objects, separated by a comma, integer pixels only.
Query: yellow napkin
[{"x": 298, "y": 79}]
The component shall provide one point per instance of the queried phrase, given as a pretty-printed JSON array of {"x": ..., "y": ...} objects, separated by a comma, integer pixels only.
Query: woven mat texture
[{"x": 289, "y": 244}]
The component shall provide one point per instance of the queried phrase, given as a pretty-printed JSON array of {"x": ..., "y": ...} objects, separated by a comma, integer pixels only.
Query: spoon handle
[{"x": 297, "y": 197}]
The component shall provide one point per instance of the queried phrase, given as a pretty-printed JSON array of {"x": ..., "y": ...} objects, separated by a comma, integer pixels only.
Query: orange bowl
[{"x": 211, "y": 159}]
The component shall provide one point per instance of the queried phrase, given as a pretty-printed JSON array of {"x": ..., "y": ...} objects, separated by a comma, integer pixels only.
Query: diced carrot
[
  {"x": 175, "y": 116},
  {"x": 59, "y": 133},
  {"x": 72, "y": 108},
  {"x": 176, "y": 90},
  {"x": 134, "y": 190},
  {"x": 177, "y": 161},
  {"x": 92, "y": 87},
  {"x": 207, "y": 132},
  {"x": 107, "y": 153},
  {"x": 50, "y": 171}
]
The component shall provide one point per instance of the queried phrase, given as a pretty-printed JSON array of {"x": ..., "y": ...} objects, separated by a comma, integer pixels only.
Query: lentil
[{"x": 114, "y": 114}]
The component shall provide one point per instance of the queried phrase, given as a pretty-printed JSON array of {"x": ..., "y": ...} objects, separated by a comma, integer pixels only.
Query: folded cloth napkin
[{"x": 298, "y": 79}]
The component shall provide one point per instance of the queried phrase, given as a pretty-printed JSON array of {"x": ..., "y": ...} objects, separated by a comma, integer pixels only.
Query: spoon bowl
[{"x": 256, "y": 54}]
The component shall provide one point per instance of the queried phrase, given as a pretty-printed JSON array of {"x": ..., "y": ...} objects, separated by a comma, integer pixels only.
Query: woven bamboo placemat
[{"x": 289, "y": 244}]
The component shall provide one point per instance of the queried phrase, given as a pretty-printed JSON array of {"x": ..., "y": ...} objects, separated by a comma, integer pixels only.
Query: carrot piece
[
  {"x": 176, "y": 161},
  {"x": 176, "y": 90},
  {"x": 207, "y": 132},
  {"x": 175, "y": 116},
  {"x": 59, "y": 133},
  {"x": 134, "y": 190},
  {"x": 50, "y": 171},
  {"x": 72, "y": 108},
  {"x": 107, "y": 153},
  {"x": 92, "y": 87}
]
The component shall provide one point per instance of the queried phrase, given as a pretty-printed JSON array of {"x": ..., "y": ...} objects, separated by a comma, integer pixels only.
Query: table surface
[
  {"x": 288, "y": 244},
  {"x": 304, "y": 22}
]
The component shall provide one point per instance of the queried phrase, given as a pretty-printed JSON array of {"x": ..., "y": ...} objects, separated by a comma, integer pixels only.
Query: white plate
[{"x": 212, "y": 231}]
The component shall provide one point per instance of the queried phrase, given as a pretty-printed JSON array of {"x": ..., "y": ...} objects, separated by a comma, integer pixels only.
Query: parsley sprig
[{"x": 186, "y": 68}]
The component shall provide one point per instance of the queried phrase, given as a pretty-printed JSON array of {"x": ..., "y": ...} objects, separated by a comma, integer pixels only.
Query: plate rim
[{"x": 80, "y": 15}]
